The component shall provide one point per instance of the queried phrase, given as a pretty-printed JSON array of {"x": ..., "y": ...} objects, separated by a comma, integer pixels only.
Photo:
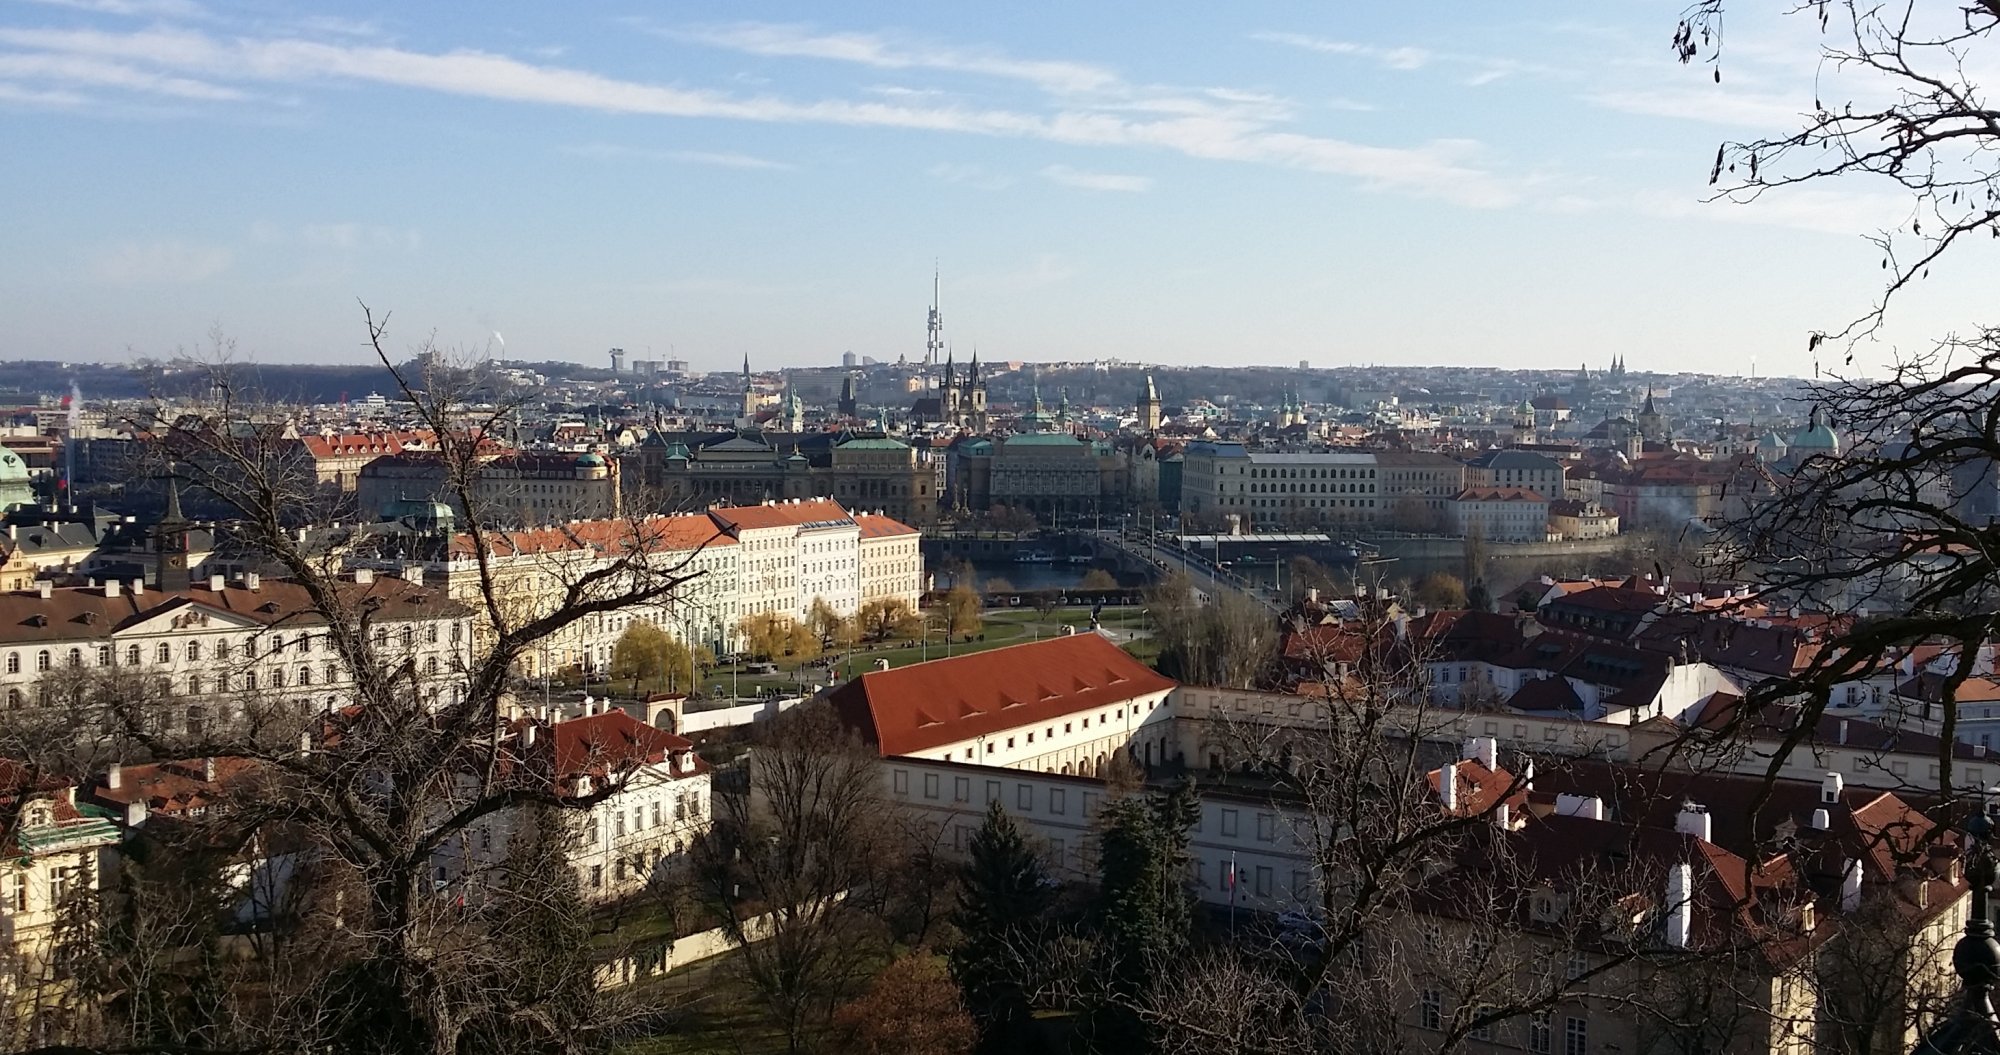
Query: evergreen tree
[
  {"x": 1144, "y": 909},
  {"x": 1003, "y": 897}
]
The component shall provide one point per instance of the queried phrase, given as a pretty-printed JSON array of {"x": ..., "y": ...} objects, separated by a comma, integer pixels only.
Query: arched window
[
  {"x": 194, "y": 685},
  {"x": 75, "y": 658},
  {"x": 305, "y": 675},
  {"x": 277, "y": 644},
  {"x": 278, "y": 678},
  {"x": 194, "y": 651},
  {"x": 409, "y": 636},
  {"x": 131, "y": 655},
  {"x": 431, "y": 634},
  {"x": 431, "y": 666},
  {"x": 13, "y": 699},
  {"x": 163, "y": 652},
  {"x": 42, "y": 660},
  {"x": 104, "y": 655},
  {"x": 13, "y": 663}
]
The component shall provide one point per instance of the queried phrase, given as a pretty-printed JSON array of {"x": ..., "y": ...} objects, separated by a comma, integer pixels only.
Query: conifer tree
[{"x": 1003, "y": 897}]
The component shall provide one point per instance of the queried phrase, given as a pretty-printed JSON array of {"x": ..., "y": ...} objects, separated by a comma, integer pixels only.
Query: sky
[{"x": 1196, "y": 183}]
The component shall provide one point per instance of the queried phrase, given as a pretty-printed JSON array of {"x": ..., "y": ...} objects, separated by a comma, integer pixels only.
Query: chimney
[
  {"x": 881, "y": 664},
  {"x": 253, "y": 581},
  {"x": 111, "y": 587},
  {"x": 583, "y": 785},
  {"x": 208, "y": 769},
  {"x": 135, "y": 813},
  {"x": 1830, "y": 788},
  {"x": 1680, "y": 915},
  {"x": 1528, "y": 776},
  {"x": 1850, "y": 886},
  {"x": 1694, "y": 820},
  {"x": 1503, "y": 817},
  {"x": 114, "y": 777},
  {"x": 46, "y": 588},
  {"x": 414, "y": 575},
  {"x": 1448, "y": 787},
  {"x": 1589, "y": 807},
  {"x": 215, "y": 584},
  {"x": 1485, "y": 749},
  {"x": 138, "y": 587},
  {"x": 528, "y": 735},
  {"x": 364, "y": 576},
  {"x": 1822, "y": 820},
  {"x": 305, "y": 744}
]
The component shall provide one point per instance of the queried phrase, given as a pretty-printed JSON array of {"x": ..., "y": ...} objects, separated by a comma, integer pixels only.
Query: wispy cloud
[
  {"x": 1341, "y": 102},
  {"x": 1208, "y": 129},
  {"x": 132, "y": 8},
  {"x": 887, "y": 53},
  {"x": 976, "y": 176},
  {"x": 718, "y": 158},
  {"x": 86, "y": 71},
  {"x": 1482, "y": 69},
  {"x": 1713, "y": 104},
  {"x": 161, "y": 262},
  {"x": 1070, "y": 177}
]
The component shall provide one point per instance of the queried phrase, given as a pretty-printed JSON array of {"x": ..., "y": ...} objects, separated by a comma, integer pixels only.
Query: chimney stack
[
  {"x": 1448, "y": 786},
  {"x": 364, "y": 576},
  {"x": 1680, "y": 915},
  {"x": 1483, "y": 749},
  {"x": 138, "y": 587},
  {"x": 215, "y": 584},
  {"x": 114, "y": 777},
  {"x": 253, "y": 581},
  {"x": 111, "y": 588},
  {"x": 208, "y": 769},
  {"x": 1822, "y": 820},
  {"x": 1589, "y": 807},
  {"x": 135, "y": 813},
  {"x": 1850, "y": 886},
  {"x": 1694, "y": 820},
  {"x": 1830, "y": 788},
  {"x": 45, "y": 587}
]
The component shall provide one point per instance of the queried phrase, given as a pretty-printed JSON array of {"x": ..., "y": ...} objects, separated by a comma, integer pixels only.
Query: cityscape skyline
[{"x": 1251, "y": 184}]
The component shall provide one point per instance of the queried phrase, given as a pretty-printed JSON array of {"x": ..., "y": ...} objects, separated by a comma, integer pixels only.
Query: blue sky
[{"x": 1458, "y": 183}]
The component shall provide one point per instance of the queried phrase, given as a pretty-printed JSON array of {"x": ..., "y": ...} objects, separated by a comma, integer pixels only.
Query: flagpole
[{"x": 1232, "y": 895}]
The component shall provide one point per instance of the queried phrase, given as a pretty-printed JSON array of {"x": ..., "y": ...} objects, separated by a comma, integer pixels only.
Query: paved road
[{"x": 1207, "y": 578}]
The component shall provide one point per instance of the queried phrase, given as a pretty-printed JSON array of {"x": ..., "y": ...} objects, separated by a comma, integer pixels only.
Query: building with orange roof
[
  {"x": 891, "y": 560},
  {"x": 793, "y": 553},
  {"x": 640, "y": 797}
]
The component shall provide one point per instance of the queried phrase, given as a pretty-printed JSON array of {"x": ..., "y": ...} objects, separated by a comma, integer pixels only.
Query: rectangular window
[
  {"x": 1263, "y": 881},
  {"x": 1057, "y": 850},
  {"x": 1267, "y": 827},
  {"x": 1430, "y": 1009},
  {"x": 1024, "y": 797},
  {"x": 597, "y": 877},
  {"x": 900, "y": 780},
  {"x": 1576, "y": 1037},
  {"x": 961, "y": 789},
  {"x": 1541, "y": 1034},
  {"x": 930, "y": 785},
  {"x": 1228, "y": 822},
  {"x": 1058, "y": 800},
  {"x": 992, "y": 791}
]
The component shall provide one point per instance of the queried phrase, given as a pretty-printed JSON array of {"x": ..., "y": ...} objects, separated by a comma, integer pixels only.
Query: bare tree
[{"x": 791, "y": 863}]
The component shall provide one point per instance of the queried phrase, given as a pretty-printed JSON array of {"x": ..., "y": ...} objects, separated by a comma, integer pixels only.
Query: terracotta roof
[
  {"x": 177, "y": 787},
  {"x": 912, "y": 709},
  {"x": 608, "y": 743},
  {"x": 1497, "y": 494},
  {"x": 655, "y": 534},
  {"x": 877, "y": 526},
  {"x": 780, "y": 514},
  {"x": 353, "y": 444},
  {"x": 81, "y": 612}
]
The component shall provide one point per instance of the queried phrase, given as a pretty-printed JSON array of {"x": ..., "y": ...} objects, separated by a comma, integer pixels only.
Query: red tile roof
[
  {"x": 877, "y": 526},
  {"x": 779, "y": 514},
  {"x": 612, "y": 742},
  {"x": 178, "y": 787},
  {"x": 913, "y": 709}
]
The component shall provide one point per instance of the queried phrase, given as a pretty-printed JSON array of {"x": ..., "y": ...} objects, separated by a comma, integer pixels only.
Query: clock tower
[{"x": 170, "y": 545}]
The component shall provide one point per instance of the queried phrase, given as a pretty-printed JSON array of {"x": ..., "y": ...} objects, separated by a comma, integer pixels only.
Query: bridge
[{"x": 1137, "y": 548}]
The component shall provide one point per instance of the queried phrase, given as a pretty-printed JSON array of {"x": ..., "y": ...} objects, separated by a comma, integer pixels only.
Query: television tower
[{"x": 935, "y": 345}]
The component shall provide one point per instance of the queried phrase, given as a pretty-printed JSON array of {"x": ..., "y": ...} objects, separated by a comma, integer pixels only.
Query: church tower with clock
[{"x": 170, "y": 545}]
